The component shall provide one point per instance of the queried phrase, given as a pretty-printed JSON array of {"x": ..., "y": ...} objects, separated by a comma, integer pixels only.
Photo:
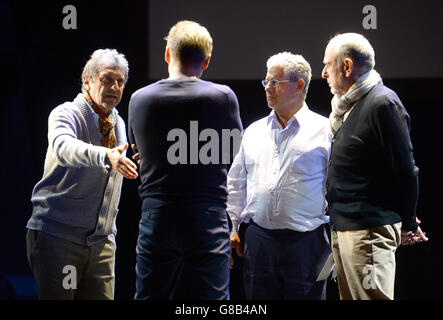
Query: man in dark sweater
[
  {"x": 372, "y": 184},
  {"x": 182, "y": 128}
]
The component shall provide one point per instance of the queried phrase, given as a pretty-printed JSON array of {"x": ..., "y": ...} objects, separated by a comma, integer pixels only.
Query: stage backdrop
[
  {"x": 245, "y": 33},
  {"x": 42, "y": 62}
]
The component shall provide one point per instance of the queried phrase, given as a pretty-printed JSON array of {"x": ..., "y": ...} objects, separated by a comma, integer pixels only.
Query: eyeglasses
[{"x": 274, "y": 82}]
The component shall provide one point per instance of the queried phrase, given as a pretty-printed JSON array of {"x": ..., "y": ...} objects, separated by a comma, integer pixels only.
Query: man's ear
[
  {"x": 300, "y": 84},
  {"x": 167, "y": 55},
  {"x": 206, "y": 63},
  {"x": 348, "y": 67},
  {"x": 86, "y": 84}
]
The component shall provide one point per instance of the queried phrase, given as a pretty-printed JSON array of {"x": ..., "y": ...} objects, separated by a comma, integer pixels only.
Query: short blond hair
[{"x": 189, "y": 41}]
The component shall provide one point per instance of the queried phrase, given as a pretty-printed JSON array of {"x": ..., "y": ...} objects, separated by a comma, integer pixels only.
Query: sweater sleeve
[
  {"x": 235, "y": 111},
  {"x": 131, "y": 137},
  {"x": 65, "y": 142},
  {"x": 235, "y": 125},
  {"x": 393, "y": 127}
]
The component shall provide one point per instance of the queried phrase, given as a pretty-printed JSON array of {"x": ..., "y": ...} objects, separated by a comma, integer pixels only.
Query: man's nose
[{"x": 324, "y": 74}]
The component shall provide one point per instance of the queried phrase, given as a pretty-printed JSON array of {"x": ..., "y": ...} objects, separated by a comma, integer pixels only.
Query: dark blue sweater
[{"x": 167, "y": 120}]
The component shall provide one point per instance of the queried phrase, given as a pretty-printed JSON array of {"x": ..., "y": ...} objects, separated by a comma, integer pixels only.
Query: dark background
[{"x": 42, "y": 63}]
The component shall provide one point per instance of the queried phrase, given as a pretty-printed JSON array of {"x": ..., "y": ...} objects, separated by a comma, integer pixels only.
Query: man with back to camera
[
  {"x": 372, "y": 184},
  {"x": 183, "y": 244},
  {"x": 277, "y": 190},
  {"x": 71, "y": 233}
]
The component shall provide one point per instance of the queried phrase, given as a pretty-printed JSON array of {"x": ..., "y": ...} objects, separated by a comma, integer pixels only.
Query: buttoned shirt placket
[{"x": 281, "y": 137}]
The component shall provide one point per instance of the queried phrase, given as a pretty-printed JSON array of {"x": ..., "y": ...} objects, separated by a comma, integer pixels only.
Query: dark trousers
[
  {"x": 91, "y": 269},
  {"x": 284, "y": 264},
  {"x": 183, "y": 251}
]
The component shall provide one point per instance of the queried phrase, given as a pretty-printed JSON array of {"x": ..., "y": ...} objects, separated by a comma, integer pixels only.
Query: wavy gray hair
[
  {"x": 294, "y": 66},
  {"x": 105, "y": 58}
]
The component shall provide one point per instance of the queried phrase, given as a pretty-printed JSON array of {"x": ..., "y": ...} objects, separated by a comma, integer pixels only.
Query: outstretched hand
[{"x": 120, "y": 163}]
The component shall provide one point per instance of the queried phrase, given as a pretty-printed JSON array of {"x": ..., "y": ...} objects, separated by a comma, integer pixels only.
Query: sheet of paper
[{"x": 327, "y": 269}]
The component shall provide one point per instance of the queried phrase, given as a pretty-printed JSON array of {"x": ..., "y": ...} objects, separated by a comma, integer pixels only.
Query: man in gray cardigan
[{"x": 71, "y": 233}]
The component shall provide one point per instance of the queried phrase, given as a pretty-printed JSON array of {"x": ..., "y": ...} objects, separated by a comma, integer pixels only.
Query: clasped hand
[{"x": 409, "y": 237}]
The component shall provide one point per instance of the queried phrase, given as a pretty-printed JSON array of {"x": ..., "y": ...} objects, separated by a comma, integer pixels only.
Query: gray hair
[
  {"x": 354, "y": 46},
  {"x": 102, "y": 59},
  {"x": 294, "y": 67}
]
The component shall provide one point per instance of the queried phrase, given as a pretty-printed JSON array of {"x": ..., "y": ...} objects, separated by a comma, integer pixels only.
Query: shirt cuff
[
  {"x": 102, "y": 160},
  {"x": 235, "y": 226}
]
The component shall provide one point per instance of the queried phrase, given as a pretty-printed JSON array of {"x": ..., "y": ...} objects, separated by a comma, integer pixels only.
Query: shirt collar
[{"x": 298, "y": 117}]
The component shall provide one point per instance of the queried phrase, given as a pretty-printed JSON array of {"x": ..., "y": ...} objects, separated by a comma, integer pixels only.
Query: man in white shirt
[{"x": 276, "y": 187}]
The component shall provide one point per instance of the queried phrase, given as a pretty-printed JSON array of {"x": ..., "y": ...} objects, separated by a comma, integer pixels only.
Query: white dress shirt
[{"x": 278, "y": 176}]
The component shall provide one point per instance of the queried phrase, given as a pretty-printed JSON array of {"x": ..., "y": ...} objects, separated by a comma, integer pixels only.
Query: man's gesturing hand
[{"x": 120, "y": 163}]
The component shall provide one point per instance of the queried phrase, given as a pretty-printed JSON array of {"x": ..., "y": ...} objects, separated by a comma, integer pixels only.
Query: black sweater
[
  {"x": 171, "y": 106},
  {"x": 372, "y": 177}
]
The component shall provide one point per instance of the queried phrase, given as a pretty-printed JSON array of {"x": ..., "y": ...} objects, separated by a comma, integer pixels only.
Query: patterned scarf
[
  {"x": 104, "y": 120},
  {"x": 342, "y": 104}
]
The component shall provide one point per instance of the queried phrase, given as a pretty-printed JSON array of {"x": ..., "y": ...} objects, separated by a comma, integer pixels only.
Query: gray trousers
[{"x": 64, "y": 270}]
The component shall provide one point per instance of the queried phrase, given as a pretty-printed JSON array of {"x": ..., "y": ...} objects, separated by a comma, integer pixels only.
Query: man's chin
[
  {"x": 111, "y": 104},
  {"x": 335, "y": 92}
]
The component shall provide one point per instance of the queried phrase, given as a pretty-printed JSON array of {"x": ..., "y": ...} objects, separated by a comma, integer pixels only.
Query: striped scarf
[
  {"x": 343, "y": 104},
  {"x": 105, "y": 122}
]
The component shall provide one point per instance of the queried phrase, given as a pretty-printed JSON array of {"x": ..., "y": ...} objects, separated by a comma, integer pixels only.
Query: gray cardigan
[{"x": 78, "y": 195}]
